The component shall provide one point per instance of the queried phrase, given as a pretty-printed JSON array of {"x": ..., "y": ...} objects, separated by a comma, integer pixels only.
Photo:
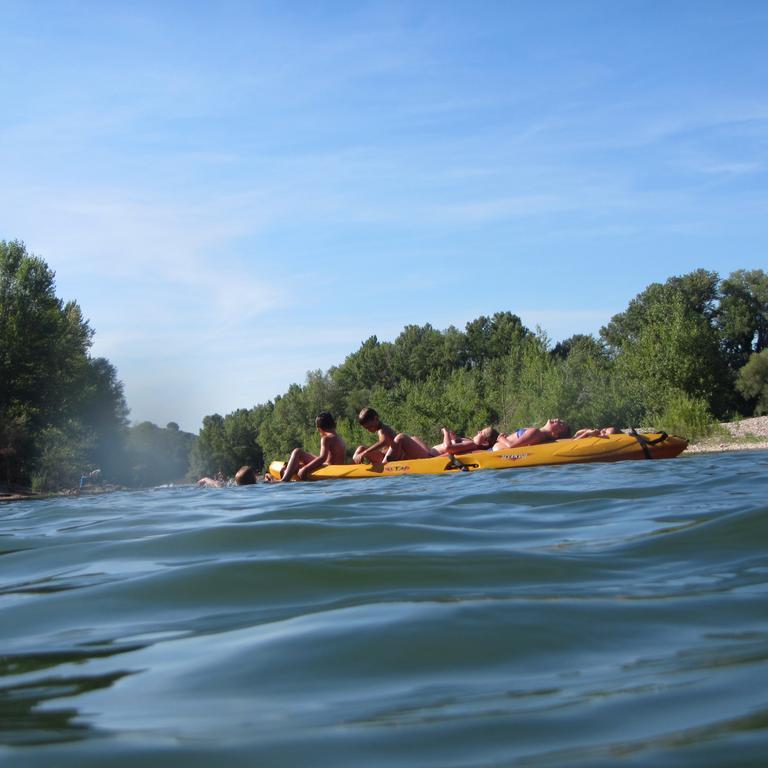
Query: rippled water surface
[{"x": 612, "y": 614}]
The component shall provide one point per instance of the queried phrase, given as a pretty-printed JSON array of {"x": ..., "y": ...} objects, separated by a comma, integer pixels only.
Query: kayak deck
[{"x": 620, "y": 447}]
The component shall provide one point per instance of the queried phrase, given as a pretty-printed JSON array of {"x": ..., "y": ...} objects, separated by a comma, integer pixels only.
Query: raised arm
[{"x": 386, "y": 435}]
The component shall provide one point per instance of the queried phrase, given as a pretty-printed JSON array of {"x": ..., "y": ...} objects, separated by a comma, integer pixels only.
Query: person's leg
[
  {"x": 422, "y": 445},
  {"x": 406, "y": 447},
  {"x": 298, "y": 459},
  {"x": 377, "y": 457}
]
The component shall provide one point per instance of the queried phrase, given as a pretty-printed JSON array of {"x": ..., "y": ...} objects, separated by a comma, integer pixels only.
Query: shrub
[
  {"x": 686, "y": 416},
  {"x": 752, "y": 381}
]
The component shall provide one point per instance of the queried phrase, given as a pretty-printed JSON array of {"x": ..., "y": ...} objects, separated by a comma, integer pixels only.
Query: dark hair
[
  {"x": 366, "y": 415},
  {"x": 325, "y": 421},
  {"x": 493, "y": 436},
  {"x": 245, "y": 476}
]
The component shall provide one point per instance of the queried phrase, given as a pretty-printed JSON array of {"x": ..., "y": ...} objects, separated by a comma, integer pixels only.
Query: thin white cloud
[{"x": 520, "y": 206}]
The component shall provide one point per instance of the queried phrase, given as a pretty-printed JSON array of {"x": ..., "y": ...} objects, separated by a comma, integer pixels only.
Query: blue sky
[{"x": 239, "y": 192}]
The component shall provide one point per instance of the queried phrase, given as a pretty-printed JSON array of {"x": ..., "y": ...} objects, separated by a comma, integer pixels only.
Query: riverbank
[
  {"x": 744, "y": 435},
  {"x": 19, "y": 493}
]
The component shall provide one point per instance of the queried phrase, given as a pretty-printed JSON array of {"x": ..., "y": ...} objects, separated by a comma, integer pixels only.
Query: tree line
[{"x": 683, "y": 354}]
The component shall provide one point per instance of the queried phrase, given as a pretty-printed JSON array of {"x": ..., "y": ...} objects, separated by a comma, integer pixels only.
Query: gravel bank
[{"x": 747, "y": 434}]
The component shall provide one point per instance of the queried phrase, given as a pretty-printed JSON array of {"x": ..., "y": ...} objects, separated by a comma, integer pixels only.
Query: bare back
[{"x": 332, "y": 449}]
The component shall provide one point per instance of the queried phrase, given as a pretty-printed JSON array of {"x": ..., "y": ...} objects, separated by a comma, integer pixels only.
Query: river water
[{"x": 596, "y": 615}]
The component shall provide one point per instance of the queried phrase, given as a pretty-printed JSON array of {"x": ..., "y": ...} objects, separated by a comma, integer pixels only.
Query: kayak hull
[{"x": 594, "y": 449}]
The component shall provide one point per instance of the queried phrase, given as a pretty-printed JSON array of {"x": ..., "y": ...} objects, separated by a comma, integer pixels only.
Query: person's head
[
  {"x": 325, "y": 422},
  {"x": 486, "y": 437},
  {"x": 557, "y": 428},
  {"x": 369, "y": 419},
  {"x": 245, "y": 476},
  {"x": 605, "y": 431}
]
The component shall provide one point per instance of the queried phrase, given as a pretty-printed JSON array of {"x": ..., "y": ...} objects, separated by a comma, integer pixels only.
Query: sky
[{"x": 237, "y": 193}]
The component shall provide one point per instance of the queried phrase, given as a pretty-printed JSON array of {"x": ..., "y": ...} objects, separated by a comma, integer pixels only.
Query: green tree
[
  {"x": 489, "y": 338},
  {"x": 743, "y": 316},
  {"x": 698, "y": 290},
  {"x": 41, "y": 339},
  {"x": 364, "y": 369},
  {"x": 421, "y": 350},
  {"x": 589, "y": 393},
  {"x": 676, "y": 350},
  {"x": 58, "y": 406},
  {"x": 752, "y": 381},
  {"x": 63, "y": 453},
  {"x": 158, "y": 456}
]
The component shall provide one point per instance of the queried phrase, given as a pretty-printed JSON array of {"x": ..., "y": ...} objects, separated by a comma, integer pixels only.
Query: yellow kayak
[{"x": 612, "y": 448}]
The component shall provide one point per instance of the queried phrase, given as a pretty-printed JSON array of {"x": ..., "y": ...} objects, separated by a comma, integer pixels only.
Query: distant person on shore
[
  {"x": 390, "y": 446},
  {"x": 604, "y": 432},
  {"x": 484, "y": 440},
  {"x": 90, "y": 478},
  {"x": 554, "y": 429},
  {"x": 302, "y": 463}
]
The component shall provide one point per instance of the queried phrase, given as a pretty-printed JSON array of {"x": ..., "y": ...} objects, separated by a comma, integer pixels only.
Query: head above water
[
  {"x": 325, "y": 421},
  {"x": 246, "y": 475}
]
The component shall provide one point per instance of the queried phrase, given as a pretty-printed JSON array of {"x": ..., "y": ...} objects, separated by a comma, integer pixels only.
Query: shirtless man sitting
[
  {"x": 390, "y": 446},
  {"x": 332, "y": 451}
]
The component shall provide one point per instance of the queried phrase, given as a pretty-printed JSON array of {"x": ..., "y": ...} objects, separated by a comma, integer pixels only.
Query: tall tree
[
  {"x": 743, "y": 316},
  {"x": 752, "y": 381},
  {"x": 698, "y": 290},
  {"x": 489, "y": 338},
  {"x": 57, "y": 404},
  {"x": 419, "y": 351},
  {"x": 675, "y": 350}
]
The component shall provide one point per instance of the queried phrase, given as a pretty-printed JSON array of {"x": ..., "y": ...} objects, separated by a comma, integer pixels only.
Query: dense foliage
[
  {"x": 683, "y": 354},
  {"x": 156, "y": 455},
  {"x": 60, "y": 408},
  {"x": 62, "y": 411}
]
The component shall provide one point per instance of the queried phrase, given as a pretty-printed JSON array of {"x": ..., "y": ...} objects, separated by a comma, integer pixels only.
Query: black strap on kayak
[
  {"x": 644, "y": 442},
  {"x": 454, "y": 463}
]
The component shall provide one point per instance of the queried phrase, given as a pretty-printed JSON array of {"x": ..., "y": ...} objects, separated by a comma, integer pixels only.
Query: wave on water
[{"x": 582, "y": 615}]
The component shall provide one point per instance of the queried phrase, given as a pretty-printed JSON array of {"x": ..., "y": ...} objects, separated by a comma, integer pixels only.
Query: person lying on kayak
[
  {"x": 482, "y": 441},
  {"x": 604, "y": 432},
  {"x": 554, "y": 429},
  {"x": 332, "y": 451},
  {"x": 390, "y": 446}
]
